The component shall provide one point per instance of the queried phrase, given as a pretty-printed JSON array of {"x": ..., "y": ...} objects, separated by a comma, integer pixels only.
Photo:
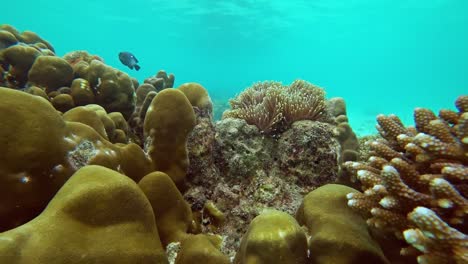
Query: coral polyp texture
[
  {"x": 273, "y": 107},
  {"x": 415, "y": 183}
]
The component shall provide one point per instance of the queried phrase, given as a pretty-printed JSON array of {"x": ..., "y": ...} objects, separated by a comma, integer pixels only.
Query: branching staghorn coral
[
  {"x": 273, "y": 107},
  {"x": 416, "y": 183}
]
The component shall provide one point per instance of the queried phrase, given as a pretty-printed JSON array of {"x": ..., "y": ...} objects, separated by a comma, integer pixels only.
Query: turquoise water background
[{"x": 382, "y": 56}]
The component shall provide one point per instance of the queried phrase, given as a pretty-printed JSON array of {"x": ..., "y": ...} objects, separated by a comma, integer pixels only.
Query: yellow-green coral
[
  {"x": 98, "y": 216},
  {"x": 19, "y": 60},
  {"x": 338, "y": 234},
  {"x": 200, "y": 249},
  {"x": 113, "y": 88},
  {"x": 7, "y": 39},
  {"x": 40, "y": 151},
  {"x": 50, "y": 72},
  {"x": 173, "y": 214},
  {"x": 32, "y": 143},
  {"x": 168, "y": 122},
  {"x": 197, "y": 95},
  {"x": 63, "y": 102},
  {"x": 81, "y": 92},
  {"x": 273, "y": 237}
]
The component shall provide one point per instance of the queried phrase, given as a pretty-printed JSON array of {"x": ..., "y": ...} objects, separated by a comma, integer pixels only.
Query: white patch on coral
[
  {"x": 361, "y": 174},
  {"x": 389, "y": 169},
  {"x": 410, "y": 236},
  {"x": 423, "y": 211},
  {"x": 172, "y": 250},
  {"x": 378, "y": 188},
  {"x": 352, "y": 203},
  {"x": 387, "y": 202}
]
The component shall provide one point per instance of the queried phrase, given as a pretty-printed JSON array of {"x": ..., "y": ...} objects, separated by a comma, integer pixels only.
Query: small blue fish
[{"x": 129, "y": 60}]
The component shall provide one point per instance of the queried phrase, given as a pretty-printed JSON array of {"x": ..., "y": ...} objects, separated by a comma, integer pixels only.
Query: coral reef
[
  {"x": 243, "y": 172},
  {"x": 145, "y": 176},
  {"x": 415, "y": 183},
  {"x": 113, "y": 89},
  {"x": 77, "y": 79}
]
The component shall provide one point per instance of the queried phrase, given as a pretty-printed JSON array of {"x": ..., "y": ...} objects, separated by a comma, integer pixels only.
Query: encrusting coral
[
  {"x": 415, "y": 183},
  {"x": 273, "y": 107}
]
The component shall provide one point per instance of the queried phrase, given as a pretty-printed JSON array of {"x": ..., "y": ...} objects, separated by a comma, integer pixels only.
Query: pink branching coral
[
  {"x": 273, "y": 107},
  {"x": 416, "y": 183}
]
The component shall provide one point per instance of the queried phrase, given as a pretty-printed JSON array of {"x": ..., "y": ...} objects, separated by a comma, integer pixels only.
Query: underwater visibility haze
[
  {"x": 234, "y": 132},
  {"x": 381, "y": 56}
]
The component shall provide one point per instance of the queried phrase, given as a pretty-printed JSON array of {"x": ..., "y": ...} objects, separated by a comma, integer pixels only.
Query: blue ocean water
[{"x": 382, "y": 56}]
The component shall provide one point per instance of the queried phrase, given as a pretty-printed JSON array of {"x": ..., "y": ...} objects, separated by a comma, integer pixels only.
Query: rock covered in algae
[
  {"x": 241, "y": 149},
  {"x": 98, "y": 216},
  {"x": 273, "y": 237},
  {"x": 242, "y": 171},
  {"x": 338, "y": 234},
  {"x": 307, "y": 151}
]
